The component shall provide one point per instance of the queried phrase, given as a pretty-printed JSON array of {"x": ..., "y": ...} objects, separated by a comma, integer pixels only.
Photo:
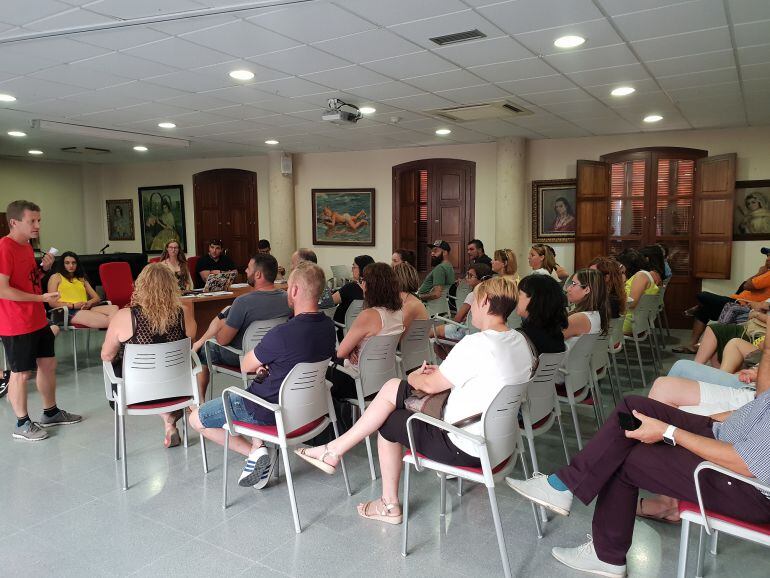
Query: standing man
[
  {"x": 215, "y": 262},
  {"x": 476, "y": 253},
  {"x": 442, "y": 275},
  {"x": 27, "y": 338}
]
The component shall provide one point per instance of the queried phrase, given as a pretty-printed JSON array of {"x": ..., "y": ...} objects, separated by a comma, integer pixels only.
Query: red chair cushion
[
  {"x": 273, "y": 430},
  {"x": 156, "y": 403},
  {"x": 496, "y": 469},
  {"x": 78, "y": 326},
  {"x": 691, "y": 507},
  {"x": 117, "y": 282},
  {"x": 537, "y": 424},
  {"x": 561, "y": 390},
  {"x": 154, "y": 260}
]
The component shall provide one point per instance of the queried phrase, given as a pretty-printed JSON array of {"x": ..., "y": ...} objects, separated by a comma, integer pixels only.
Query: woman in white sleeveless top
[
  {"x": 588, "y": 294},
  {"x": 542, "y": 259},
  {"x": 382, "y": 315}
]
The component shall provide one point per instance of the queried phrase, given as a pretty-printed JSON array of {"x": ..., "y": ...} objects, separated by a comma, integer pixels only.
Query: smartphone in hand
[{"x": 628, "y": 422}]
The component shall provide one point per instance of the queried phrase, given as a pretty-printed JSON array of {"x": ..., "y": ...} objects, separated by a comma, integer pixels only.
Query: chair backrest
[
  {"x": 513, "y": 321},
  {"x": 600, "y": 357},
  {"x": 158, "y": 371},
  {"x": 578, "y": 360},
  {"x": 500, "y": 422},
  {"x": 257, "y": 330},
  {"x": 415, "y": 344},
  {"x": 354, "y": 310},
  {"x": 340, "y": 274},
  {"x": 439, "y": 306},
  {"x": 644, "y": 312},
  {"x": 616, "y": 333},
  {"x": 377, "y": 362},
  {"x": 304, "y": 396},
  {"x": 117, "y": 282},
  {"x": 192, "y": 263},
  {"x": 541, "y": 390}
]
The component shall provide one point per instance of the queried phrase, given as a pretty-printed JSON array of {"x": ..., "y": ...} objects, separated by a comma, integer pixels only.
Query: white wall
[
  {"x": 57, "y": 189},
  {"x": 122, "y": 181},
  {"x": 369, "y": 169},
  {"x": 556, "y": 159}
]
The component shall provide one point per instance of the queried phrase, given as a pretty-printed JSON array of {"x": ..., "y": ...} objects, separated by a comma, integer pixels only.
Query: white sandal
[
  {"x": 320, "y": 464},
  {"x": 381, "y": 514}
]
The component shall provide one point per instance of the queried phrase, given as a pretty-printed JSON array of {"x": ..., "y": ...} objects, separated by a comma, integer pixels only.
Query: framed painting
[
  {"x": 343, "y": 217},
  {"x": 120, "y": 220},
  {"x": 751, "y": 219},
  {"x": 161, "y": 210},
  {"x": 553, "y": 211}
]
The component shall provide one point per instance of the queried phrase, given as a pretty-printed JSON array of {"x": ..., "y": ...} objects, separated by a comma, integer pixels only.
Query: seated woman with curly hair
[{"x": 475, "y": 371}]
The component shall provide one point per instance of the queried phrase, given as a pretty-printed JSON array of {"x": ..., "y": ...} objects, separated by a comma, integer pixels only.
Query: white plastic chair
[
  {"x": 157, "y": 378},
  {"x": 376, "y": 365},
  {"x": 499, "y": 448},
  {"x": 251, "y": 338},
  {"x": 711, "y": 522},
  {"x": 641, "y": 331},
  {"x": 303, "y": 411},
  {"x": 341, "y": 274},
  {"x": 577, "y": 378},
  {"x": 615, "y": 345},
  {"x": 415, "y": 346},
  {"x": 352, "y": 313},
  {"x": 662, "y": 315}
]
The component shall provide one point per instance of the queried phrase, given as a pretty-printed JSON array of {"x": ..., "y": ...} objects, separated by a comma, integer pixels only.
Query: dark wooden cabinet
[{"x": 226, "y": 209}]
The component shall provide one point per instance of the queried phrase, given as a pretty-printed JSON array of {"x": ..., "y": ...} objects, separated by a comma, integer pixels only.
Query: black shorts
[
  {"x": 23, "y": 351},
  {"x": 430, "y": 441}
]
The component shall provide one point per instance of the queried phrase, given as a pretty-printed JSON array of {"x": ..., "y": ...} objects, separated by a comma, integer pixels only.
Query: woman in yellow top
[
  {"x": 76, "y": 293},
  {"x": 642, "y": 279}
]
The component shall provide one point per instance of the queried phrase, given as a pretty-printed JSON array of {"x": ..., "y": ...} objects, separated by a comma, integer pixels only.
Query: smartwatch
[{"x": 668, "y": 435}]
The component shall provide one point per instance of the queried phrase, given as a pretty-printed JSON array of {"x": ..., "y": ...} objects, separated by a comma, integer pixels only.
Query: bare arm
[
  {"x": 579, "y": 324},
  {"x": 462, "y": 312},
  {"x": 250, "y": 363},
  {"x": 13, "y": 294},
  {"x": 435, "y": 293},
  {"x": 336, "y": 297},
  {"x": 119, "y": 330},
  {"x": 429, "y": 379},
  {"x": 638, "y": 287},
  {"x": 190, "y": 325},
  {"x": 368, "y": 323},
  {"x": 226, "y": 334},
  {"x": 53, "y": 287}
]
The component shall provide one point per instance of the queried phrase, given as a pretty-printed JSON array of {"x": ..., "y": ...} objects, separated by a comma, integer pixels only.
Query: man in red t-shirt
[{"x": 26, "y": 336}]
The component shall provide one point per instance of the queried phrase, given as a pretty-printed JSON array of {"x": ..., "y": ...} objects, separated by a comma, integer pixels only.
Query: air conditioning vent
[
  {"x": 85, "y": 150},
  {"x": 484, "y": 111},
  {"x": 474, "y": 34}
]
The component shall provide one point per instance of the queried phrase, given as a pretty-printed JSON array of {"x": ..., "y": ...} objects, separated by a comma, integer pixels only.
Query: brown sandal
[{"x": 382, "y": 511}]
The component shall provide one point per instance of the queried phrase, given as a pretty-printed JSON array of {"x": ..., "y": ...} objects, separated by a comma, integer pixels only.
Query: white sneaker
[
  {"x": 541, "y": 492},
  {"x": 584, "y": 558},
  {"x": 256, "y": 465}
]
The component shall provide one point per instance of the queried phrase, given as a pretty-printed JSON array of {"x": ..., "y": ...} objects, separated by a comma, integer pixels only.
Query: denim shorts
[
  {"x": 219, "y": 355},
  {"x": 454, "y": 332},
  {"x": 212, "y": 413}
]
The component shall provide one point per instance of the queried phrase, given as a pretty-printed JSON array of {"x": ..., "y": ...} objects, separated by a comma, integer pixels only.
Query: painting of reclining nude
[{"x": 343, "y": 217}]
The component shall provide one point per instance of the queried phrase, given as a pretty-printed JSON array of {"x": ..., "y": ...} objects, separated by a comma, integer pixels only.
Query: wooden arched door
[
  {"x": 225, "y": 203},
  {"x": 434, "y": 199}
]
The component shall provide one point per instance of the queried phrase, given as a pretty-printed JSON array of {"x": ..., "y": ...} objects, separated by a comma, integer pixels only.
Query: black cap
[
  {"x": 440, "y": 244},
  {"x": 765, "y": 250}
]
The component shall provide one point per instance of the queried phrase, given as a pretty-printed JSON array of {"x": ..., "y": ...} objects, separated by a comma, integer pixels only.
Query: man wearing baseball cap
[{"x": 442, "y": 275}]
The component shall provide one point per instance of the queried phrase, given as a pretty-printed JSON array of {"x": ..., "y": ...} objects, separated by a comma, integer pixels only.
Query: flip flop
[
  {"x": 685, "y": 349},
  {"x": 640, "y": 514},
  {"x": 320, "y": 464}
]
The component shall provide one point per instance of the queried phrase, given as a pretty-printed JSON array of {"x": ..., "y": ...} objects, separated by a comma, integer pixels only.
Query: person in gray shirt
[{"x": 264, "y": 302}]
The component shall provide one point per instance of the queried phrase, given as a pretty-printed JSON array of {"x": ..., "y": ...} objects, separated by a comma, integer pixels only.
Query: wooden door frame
[{"x": 430, "y": 165}]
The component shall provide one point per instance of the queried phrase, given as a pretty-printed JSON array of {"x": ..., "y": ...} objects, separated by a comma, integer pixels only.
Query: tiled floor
[{"x": 62, "y": 512}]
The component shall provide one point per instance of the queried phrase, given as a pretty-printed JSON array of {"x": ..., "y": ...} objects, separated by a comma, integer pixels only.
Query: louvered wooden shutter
[{"x": 592, "y": 208}]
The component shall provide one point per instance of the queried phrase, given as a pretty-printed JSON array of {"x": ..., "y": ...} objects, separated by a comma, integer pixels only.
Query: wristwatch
[{"x": 668, "y": 435}]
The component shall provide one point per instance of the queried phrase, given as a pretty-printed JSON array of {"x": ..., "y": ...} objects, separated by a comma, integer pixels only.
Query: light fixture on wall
[{"x": 107, "y": 133}]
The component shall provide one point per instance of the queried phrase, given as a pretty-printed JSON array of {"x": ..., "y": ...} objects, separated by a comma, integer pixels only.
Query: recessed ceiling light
[
  {"x": 653, "y": 118},
  {"x": 367, "y": 110},
  {"x": 16, "y": 133},
  {"x": 272, "y": 141},
  {"x": 35, "y": 152},
  {"x": 166, "y": 125},
  {"x": 568, "y": 41},
  {"x": 242, "y": 74},
  {"x": 443, "y": 131},
  {"x": 7, "y": 98},
  {"x": 140, "y": 148},
  {"x": 623, "y": 91}
]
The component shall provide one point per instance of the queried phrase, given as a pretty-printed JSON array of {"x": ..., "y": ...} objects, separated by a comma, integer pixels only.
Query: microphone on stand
[{"x": 101, "y": 251}]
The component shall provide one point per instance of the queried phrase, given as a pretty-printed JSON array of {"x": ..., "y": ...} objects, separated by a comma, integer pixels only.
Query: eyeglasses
[
  {"x": 577, "y": 284},
  {"x": 471, "y": 276}
]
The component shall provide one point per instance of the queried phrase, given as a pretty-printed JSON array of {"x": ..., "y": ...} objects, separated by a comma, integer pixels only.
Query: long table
[{"x": 205, "y": 307}]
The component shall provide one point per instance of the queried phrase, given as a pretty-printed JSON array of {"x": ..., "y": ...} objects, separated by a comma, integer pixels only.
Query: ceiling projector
[{"x": 335, "y": 114}]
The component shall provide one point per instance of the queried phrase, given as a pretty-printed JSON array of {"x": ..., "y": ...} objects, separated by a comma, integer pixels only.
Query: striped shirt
[{"x": 748, "y": 431}]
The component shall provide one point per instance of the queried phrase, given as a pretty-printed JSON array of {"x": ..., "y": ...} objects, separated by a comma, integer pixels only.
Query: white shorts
[{"x": 719, "y": 398}]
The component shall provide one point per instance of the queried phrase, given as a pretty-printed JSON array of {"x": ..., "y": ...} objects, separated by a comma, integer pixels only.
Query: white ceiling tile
[
  {"x": 30, "y": 89},
  {"x": 748, "y": 10},
  {"x": 346, "y": 77},
  {"x": 60, "y": 50},
  {"x": 368, "y": 46},
  {"x": 754, "y": 54},
  {"x": 556, "y": 96},
  {"x": 312, "y": 22},
  {"x": 221, "y": 72},
  {"x": 592, "y": 58},
  {"x": 197, "y": 118},
  {"x": 300, "y": 60},
  {"x": 290, "y": 87},
  {"x": 596, "y": 32},
  {"x": 584, "y": 108},
  {"x": 14, "y": 62},
  {"x": 693, "y": 63},
  {"x": 67, "y": 19},
  {"x": 474, "y": 94},
  {"x": 386, "y": 90},
  {"x": 140, "y": 8},
  {"x": 699, "y": 78},
  {"x": 284, "y": 105},
  {"x": 241, "y": 111},
  {"x": 486, "y": 51},
  {"x": 144, "y": 90},
  {"x": 311, "y": 114},
  {"x": 239, "y": 94},
  {"x": 117, "y": 39},
  {"x": 416, "y": 64},
  {"x": 178, "y": 53},
  {"x": 514, "y": 70},
  {"x": 755, "y": 86},
  {"x": 684, "y": 44},
  {"x": 187, "y": 25},
  {"x": 615, "y": 7},
  {"x": 613, "y": 74},
  {"x": 58, "y": 108},
  {"x": 497, "y": 128},
  {"x": 240, "y": 39},
  {"x": 79, "y": 76},
  {"x": 445, "y": 80},
  {"x": 519, "y": 16},
  {"x": 541, "y": 84},
  {"x": 657, "y": 100},
  {"x": 145, "y": 111},
  {"x": 750, "y": 71},
  {"x": 726, "y": 90},
  {"x": 107, "y": 99},
  {"x": 20, "y": 12},
  {"x": 199, "y": 101},
  {"x": 668, "y": 20},
  {"x": 602, "y": 91},
  {"x": 606, "y": 125},
  {"x": 420, "y": 102},
  {"x": 421, "y": 31},
  {"x": 191, "y": 81},
  {"x": 129, "y": 66},
  {"x": 398, "y": 11},
  {"x": 751, "y": 33},
  {"x": 565, "y": 131}
]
